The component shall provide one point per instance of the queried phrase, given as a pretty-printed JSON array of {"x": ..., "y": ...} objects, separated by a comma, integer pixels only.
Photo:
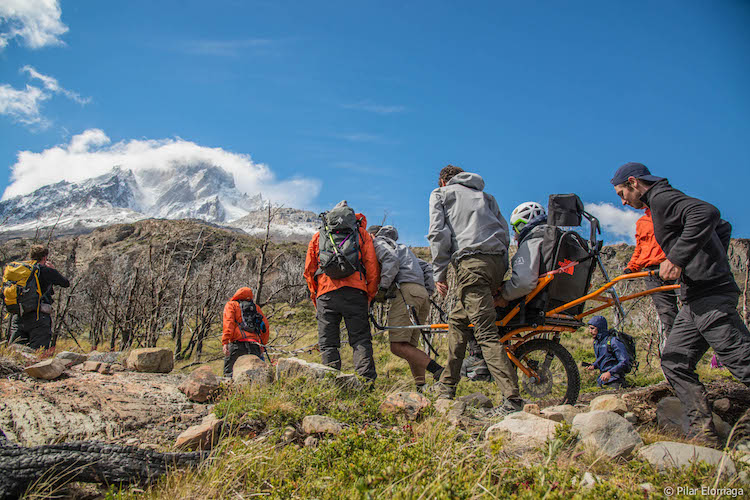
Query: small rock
[
  {"x": 104, "y": 357},
  {"x": 456, "y": 412},
  {"x": 531, "y": 408},
  {"x": 631, "y": 417},
  {"x": 105, "y": 369},
  {"x": 607, "y": 432},
  {"x": 89, "y": 366},
  {"x": 73, "y": 358},
  {"x": 202, "y": 436},
  {"x": 151, "y": 360},
  {"x": 443, "y": 405},
  {"x": 744, "y": 477},
  {"x": 319, "y": 424},
  {"x": 647, "y": 487},
  {"x": 410, "y": 404},
  {"x": 201, "y": 385},
  {"x": 117, "y": 367},
  {"x": 608, "y": 402},
  {"x": 347, "y": 381},
  {"x": 48, "y": 369},
  {"x": 311, "y": 442},
  {"x": 295, "y": 367},
  {"x": 588, "y": 480},
  {"x": 131, "y": 442},
  {"x": 667, "y": 455},
  {"x": 477, "y": 400},
  {"x": 560, "y": 413},
  {"x": 250, "y": 369},
  {"x": 524, "y": 429},
  {"x": 289, "y": 433},
  {"x": 722, "y": 405}
]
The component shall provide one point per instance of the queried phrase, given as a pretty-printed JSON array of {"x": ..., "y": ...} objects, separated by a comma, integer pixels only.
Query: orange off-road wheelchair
[{"x": 531, "y": 328}]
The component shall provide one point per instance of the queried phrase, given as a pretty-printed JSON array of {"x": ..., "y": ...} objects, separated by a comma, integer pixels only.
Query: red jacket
[
  {"x": 233, "y": 317},
  {"x": 647, "y": 251},
  {"x": 322, "y": 284}
]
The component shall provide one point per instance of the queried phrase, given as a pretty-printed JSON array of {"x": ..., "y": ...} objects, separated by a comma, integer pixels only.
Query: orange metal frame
[{"x": 514, "y": 337}]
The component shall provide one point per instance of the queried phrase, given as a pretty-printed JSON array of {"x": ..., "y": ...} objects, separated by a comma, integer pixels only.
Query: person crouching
[
  {"x": 611, "y": 355},
  {"x": 245, "y": 329}
]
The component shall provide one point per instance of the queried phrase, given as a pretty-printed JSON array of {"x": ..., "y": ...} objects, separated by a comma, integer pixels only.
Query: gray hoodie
[
  {"x": 464, "y": 220},
  {"x": 398, "y": 263},
  {"x": 525, "y": 266}
]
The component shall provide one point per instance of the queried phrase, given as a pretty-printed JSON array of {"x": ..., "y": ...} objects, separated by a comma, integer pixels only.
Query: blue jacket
[{"x": 612, "y": 359}]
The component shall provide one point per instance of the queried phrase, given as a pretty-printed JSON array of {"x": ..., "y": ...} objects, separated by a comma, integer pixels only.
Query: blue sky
[{"x": 368, "y": 100}]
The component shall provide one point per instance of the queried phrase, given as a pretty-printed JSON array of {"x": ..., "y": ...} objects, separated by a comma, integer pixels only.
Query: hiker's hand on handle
[
  {"x": 669, "y": 271},
  {"x": 225, "y": 349},
  {"x": 442, "y": 288}
]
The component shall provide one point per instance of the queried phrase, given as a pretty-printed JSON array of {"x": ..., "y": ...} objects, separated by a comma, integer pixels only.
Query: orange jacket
[
  {"x": 647, "y": 250},
  {"x": 322, "y": 284},
  {"x": 233, "y": 317}
]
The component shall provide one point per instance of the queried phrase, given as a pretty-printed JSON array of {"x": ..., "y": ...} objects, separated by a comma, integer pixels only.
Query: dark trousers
[
  {"x": 351, "y": 305},
  {"x": 702, "y": 323},
  {"x": 238, "y": 349},
  {"x": 32, "y": 331},
  {"x": 665, "y": 302}
]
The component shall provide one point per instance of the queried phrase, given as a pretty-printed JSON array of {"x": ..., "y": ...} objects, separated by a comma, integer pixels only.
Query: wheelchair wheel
[{"x": 560, "y": 381}]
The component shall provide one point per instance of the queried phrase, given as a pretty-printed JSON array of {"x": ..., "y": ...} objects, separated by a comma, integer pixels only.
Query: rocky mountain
[{"x": 198, "y": 191}]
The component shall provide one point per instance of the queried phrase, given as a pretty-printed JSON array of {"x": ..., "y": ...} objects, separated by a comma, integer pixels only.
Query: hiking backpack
[
  {"x": 338, "y": 247},
  {"x": 629, "y": 342},
  {"x": 252, "y": 320},
  {"x": 22, "y": 292}
]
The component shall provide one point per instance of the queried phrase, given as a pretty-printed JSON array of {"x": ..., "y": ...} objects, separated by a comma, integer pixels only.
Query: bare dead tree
[{"x": 177, "y": 325}]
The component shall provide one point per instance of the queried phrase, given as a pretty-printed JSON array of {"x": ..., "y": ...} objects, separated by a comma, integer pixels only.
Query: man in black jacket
[
  {"x": 37, "y": 327},
  {"x": 691, "y": 233}
]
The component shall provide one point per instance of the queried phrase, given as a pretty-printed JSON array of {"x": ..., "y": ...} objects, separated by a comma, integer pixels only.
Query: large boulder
[
  {"x": 48, "y": 369},
  {"x": 71, "y": 358},
  {"x": 295, "y": 367},
  {"x": 151, "y": 360},
  {"x": 608, "y": 402},
  {"x": 607, "y": 432},
  {"x": 201, "y": 385},
  {"x": 410, "y": 404},
  {"x": 560, "y": 413},
  {"x": 201, "y": 437},
  {"x": 666, "y": 455},
  {"x": 671, "y": 417},
  {"x": 319, "y": 424},
  {"x": 523, "y": 429},
  {"x": 250, "y": 369}
]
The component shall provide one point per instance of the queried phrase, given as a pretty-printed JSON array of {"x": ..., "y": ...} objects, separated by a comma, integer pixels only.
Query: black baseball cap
[{"x": 633, "y": 169}]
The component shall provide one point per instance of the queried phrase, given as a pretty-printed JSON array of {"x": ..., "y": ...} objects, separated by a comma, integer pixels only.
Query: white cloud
[
  {"x": 616, "y": 221},
  {"x": 226, "y": 47},
  {"x": 372, "y": 107},
  {"x": 52, "y": 85},
  {"x": 36, "y": 22},
  {"x": 91, "y": 153},
  {"x": 24, "y": 106}
]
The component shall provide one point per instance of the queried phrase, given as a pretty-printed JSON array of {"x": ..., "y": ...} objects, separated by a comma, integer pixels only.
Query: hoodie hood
[
  {"x": 388, "y": 232},
  {"x": 600, "y": 322},
  {"x": 468, "y": 179},
  {"x": 243, "y": 293}
]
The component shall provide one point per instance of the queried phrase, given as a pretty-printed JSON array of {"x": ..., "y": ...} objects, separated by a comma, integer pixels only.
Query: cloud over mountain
[{"x": 92, "y": 153}]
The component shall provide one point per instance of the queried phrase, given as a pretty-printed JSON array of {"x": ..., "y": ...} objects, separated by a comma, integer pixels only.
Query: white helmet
[{"x": 524, "y": 213}]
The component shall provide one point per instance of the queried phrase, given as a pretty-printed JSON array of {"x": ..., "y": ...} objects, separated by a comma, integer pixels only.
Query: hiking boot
[
  {"x": 437, "y": 374},
  {"x": 422, "y": 388},
  {"x": 443, "y": 391},
  {"x": 509, "y": 406}
]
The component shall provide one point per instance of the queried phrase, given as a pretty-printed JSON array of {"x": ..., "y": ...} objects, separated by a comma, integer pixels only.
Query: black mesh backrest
[
  {"x": 558, "y": 250},
  {"x": 564, "y": 210}
]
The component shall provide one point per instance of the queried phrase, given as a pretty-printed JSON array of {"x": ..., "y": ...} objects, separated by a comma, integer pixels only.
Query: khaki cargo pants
[
  {"x": 477, "y": 277},
  {"x": 416, "y": 296}
]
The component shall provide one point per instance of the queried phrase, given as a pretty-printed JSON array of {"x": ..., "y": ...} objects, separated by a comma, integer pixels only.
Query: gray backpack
[{"x": 338, "y": 254}]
